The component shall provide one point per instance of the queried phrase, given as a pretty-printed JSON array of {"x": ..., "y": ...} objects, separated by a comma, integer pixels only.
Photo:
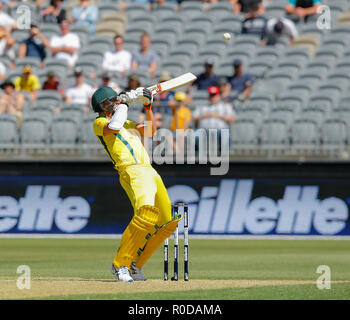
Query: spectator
[
  {"x": 81, "y": 92},
  {"x": 117, "y": 60},
  {"x": 146, "y": 57},
  {"x": 28, "y": 82},
  {"x": 6, "y": 44},
  {"x": 181, "y": 113},
  {"x": 206, "y": 79},
  {"x": 11, "y": 101},
  {"x": 181, "y": 120},
  {"x": 242, "y": 6},
  {"x": 240, "y": 81},
  {"x": 66, "y": 45},
  {"x": 54, "y": 12},
  {"x": 86, "y": 15},
  {"x": 302, "y": 9},
  {"x": 2, "y": 71},
  {"x": 216, "y": 115},
  {"x": 254, "y": 23},
  {"x": 106, "y": 81},
  {"x": 161, "y": 102},
  {"x": 35, "y": 45},
  {"x": 6, "y": 21},
  {"x": 277, "y": 28},
  {"x": 52, "y": 83},
  {"x": 133, "y": 82},
  {"x": 225, "y": 90}
]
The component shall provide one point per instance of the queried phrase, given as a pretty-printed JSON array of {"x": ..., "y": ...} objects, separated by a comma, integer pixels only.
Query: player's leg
[
  {"x": 168, "y": 225},
  {"x": 141, "y": 189}
]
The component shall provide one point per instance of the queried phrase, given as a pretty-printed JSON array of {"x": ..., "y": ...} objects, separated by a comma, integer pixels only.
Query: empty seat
[
  {"x": 274, "y": 133},
  {"x": 8, "y": 129},
  {"x": 284, "y": 114},
  {"x": 243, "y": 134},
  {"x": 34, "y": 131},
  {"x": 334, "y": 133},
  {"x": 64, "y": 130},
  {"x": 32, "y": 61},
  {"x": 252, "y": 113},
  {"x": 191, "y": 8},
  {"x": 51, "y": 97},
  {"x": 343, "y": 114},
  {"x": 304, "y": 134},
  {"x": 220, "y": 9},
  {"x": 314, "y": 114}
]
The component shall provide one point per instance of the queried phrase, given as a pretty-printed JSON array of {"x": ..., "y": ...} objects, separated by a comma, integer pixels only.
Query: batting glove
[{"x": 144, "y": 95}]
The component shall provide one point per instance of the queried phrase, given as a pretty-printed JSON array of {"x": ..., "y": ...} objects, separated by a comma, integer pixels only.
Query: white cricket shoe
[
  {"x": 136, "y": 273},
  {"x": 121, "y": 274}
]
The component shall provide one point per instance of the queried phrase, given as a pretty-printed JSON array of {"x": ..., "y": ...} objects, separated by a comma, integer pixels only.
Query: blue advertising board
[{"x": 99, "y": 205}]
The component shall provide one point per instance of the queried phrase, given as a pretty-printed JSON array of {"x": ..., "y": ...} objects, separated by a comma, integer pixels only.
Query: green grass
[
  {"x": 340, "y": 291},
  {"x": 209, "y": 259}
]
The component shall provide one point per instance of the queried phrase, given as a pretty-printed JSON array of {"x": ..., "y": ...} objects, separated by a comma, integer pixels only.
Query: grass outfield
[{"x": 219, "y": 269}]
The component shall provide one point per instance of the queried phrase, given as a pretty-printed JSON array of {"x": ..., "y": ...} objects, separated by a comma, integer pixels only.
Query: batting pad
[
  {"x": 156, "y": 240},
  {"x": 140, "y": 228}
]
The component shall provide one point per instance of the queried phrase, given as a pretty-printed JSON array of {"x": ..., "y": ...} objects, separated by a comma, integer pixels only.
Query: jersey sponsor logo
[
  {"x": 41, "y": 209},
  {"x": 230, "y": 209}
]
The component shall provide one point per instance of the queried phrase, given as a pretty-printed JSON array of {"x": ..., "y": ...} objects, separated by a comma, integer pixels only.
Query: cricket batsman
[{"x": 152, "y": 221}]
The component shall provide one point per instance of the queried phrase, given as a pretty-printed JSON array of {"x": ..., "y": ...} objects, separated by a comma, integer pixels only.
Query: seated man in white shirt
[
  {"x": 66, "y": 45},
  {"x": 81, "y": 92},
  {"x": 118, "y": 60},
  {"x": 217, "y": 114},
  {"x": 6, "y": 21}
]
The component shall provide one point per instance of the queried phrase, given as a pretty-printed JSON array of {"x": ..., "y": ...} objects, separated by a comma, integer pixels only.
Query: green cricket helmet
[{"x": 104, "y": 99}]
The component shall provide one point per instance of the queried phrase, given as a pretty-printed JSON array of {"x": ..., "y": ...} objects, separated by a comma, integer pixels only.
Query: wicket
[{"x": 175, "y": 210}]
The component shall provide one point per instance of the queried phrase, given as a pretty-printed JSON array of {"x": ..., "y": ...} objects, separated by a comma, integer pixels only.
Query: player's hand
[{"x": 144, "y": 95}]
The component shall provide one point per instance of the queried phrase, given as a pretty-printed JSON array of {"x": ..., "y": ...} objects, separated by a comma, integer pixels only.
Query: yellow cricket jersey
[{"x": 124, "y": 147}]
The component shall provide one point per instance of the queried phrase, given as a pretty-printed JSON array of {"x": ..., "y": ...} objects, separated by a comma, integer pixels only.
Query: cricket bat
[{"x": 172, "y": 84}]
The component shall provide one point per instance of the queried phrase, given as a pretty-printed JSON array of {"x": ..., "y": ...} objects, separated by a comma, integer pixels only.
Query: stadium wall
[{"x": 252, "y": 199}]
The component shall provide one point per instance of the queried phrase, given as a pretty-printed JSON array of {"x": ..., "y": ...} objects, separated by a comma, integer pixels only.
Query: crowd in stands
[{"x": 217, "y": 112}]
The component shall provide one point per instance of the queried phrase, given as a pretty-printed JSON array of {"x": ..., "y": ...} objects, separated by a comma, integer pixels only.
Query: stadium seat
[
  {"x": 64, "y": 130},
  {"x": 314, "y": 114},
  {"x": 167, "y": 9},
  {"x": 74, "y": 111},
  {"x": 334, "y": 134},
  {"x": 243, "y": 134},
  {"x": 40, "y": 110},
  {"x": 58, "y": 65},
  {"x": 274, "y": 134},
  {"x": 343, "y": 114},
  {"x": 116, "y": 16},
  {"x": 136, "y": 9},
  {"x": 107, "y": 8},
  {"x": 253, "y": 113},
  {"x": 32, "y": 61},
  {"x": 87, "y": 133},
  {"x": 34, "y": 131},
  {"x": 49, "y": 95},
  {"x": 220, "y": 9},
  {"x": 191, "y": 8},
  {"x": 8, "y": 129},
  {"x": 304, "y": 134},
  {"x": 334, "y": 51},
  {"x": 285, "y": 114},
  {"x": 233, "y": 27}
]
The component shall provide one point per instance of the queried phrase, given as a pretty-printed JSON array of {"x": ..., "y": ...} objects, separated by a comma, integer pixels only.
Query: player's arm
[
  {"x": 117, "y": 121},
  {"x": 148, "y": 129}
]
